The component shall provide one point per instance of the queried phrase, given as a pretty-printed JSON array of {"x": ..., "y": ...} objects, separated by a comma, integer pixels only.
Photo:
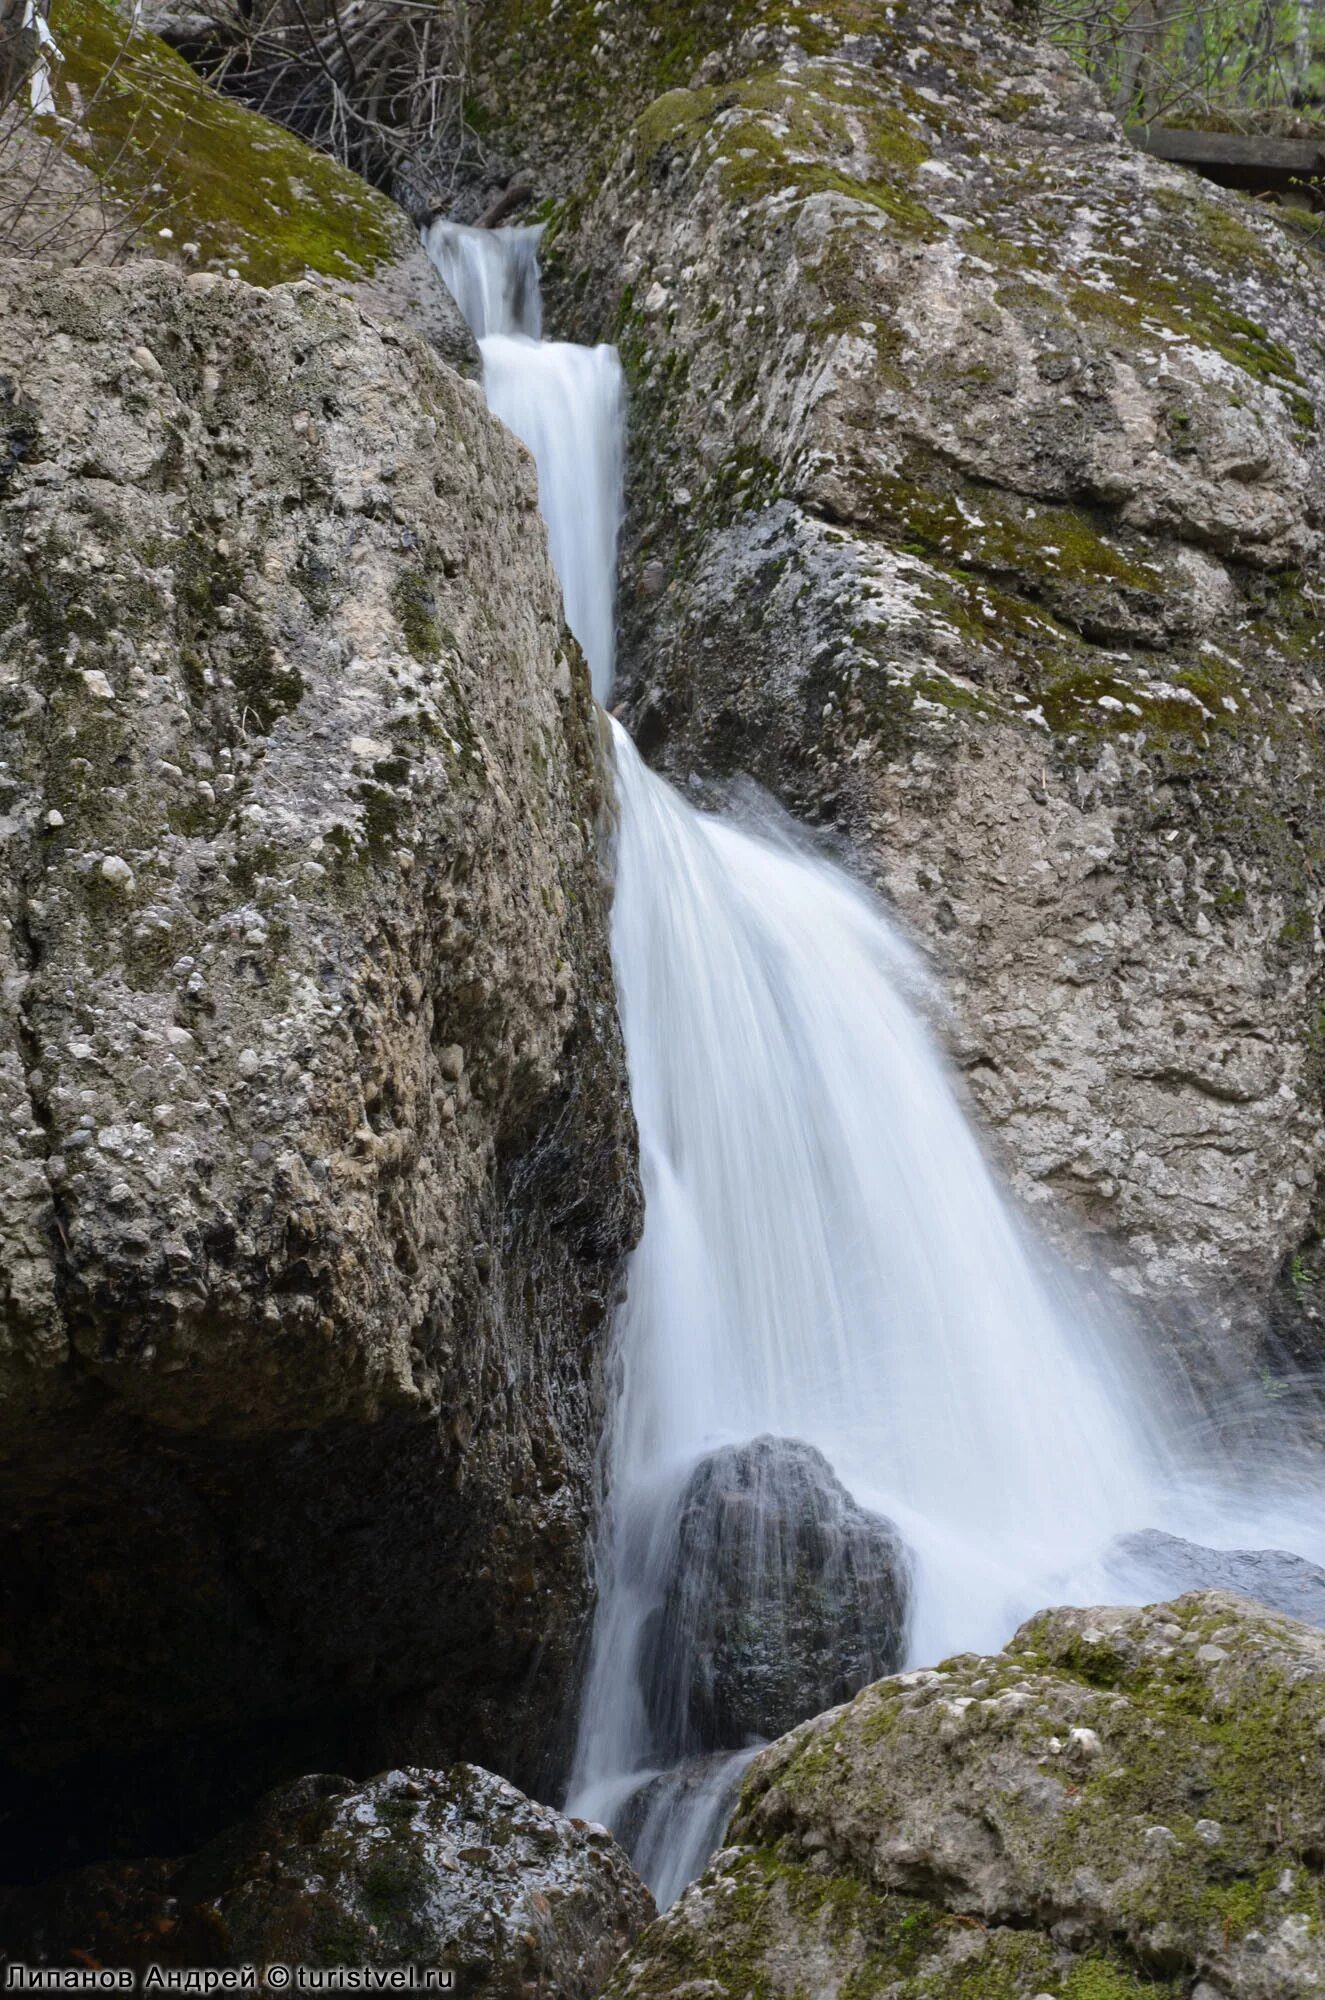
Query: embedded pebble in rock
[
  {"x": 312, "y": 1209},
  {"x": 925, "y": 1842}
]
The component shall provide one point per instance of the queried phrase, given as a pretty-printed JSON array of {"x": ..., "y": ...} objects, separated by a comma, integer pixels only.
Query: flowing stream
[{"x": 826, "y": 1255}]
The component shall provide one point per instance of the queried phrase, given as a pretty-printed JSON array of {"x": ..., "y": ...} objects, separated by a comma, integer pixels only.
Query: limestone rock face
[
  {"x": 449, "y": 1869},
  {"x": 316, "y": 1161},
  {"x": 785, "y": 1598},
  {"x": 1123, "y": 1804},
  {"x": 976, "y": 509}
]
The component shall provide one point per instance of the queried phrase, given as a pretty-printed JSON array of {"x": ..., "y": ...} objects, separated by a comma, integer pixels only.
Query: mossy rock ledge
[
  {"x": 143, "y": 158},
  {"x": 977, "y": 491},
  {"x": 1123, "y": 1805}
]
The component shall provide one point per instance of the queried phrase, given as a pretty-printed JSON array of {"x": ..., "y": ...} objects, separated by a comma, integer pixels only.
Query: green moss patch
[
  {"x": 768, "y": 132},
  {"x": 181, "y": 158}
]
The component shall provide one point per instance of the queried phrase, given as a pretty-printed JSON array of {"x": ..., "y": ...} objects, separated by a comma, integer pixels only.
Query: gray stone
[
  {"x": 924, "y": 1840},
  {"x": 1273, "y": 1577},
  {"x": 302, "y": 1318},
  {"x": 785, "y": 1597}
]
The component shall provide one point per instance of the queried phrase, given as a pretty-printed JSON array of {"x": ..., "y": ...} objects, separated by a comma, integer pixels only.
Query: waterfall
[
  {"x": 566, "y": 403},
  {"x": 830, "y": 1291},
  {"x": 492, "y": 274}
]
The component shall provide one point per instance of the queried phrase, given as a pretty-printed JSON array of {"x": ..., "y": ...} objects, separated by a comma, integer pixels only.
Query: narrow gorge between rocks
[
  {"x": 863, "y": 1416},
  {"x": 662, "y": 1000}
]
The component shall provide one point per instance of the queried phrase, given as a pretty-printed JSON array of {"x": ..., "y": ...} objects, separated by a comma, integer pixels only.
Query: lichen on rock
[
  {"x": 1122, "y": 1804},
  {"x": 317, "y": 1162}
]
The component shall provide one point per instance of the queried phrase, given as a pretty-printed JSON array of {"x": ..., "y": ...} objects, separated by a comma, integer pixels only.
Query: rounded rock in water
[{"x": 785, "y": 1598}]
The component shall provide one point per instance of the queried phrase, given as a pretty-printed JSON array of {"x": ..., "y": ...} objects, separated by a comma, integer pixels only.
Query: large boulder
[
  {"x": 316, "y": 1162},
  {"x": 448, "y": 1869},
  {"x": 1125, "y": 1805},
  {"x": 784, "y": 1597},
  {"x": 975, "y": 508}
]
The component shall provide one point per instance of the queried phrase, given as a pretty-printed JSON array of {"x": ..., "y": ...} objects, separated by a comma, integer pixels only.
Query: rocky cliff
[
  {"x": 975, "y": 509},
  {"x": 316, "y": 1155}
]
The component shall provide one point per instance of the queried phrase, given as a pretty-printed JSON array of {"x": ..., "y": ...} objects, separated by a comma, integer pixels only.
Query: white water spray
[{"x": 826, "y": 1255}]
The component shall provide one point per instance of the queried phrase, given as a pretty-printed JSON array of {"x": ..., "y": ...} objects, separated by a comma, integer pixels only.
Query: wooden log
[
  {"x": 1236, "y": 159},
  {"x": 512, "y": 198}
]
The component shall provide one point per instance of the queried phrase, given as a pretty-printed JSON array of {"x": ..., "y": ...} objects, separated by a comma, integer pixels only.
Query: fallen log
[{"x": 1245, "y": 160}]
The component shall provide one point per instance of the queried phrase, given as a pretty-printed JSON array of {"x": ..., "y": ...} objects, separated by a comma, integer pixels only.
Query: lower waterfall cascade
[{"x": 827, "y": 1257}]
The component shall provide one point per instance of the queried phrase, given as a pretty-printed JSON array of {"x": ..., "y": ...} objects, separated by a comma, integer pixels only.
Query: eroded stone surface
[
  {"x": 1122, "y": 1804},
  {"x": 316, "y": 1156},
  {"x": 450, "y": 1869}
]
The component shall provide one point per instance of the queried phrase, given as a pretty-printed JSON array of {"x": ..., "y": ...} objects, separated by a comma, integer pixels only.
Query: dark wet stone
[
  {"x": 1273, "y": 1577},
  {"x": 785, "y": 1598}
]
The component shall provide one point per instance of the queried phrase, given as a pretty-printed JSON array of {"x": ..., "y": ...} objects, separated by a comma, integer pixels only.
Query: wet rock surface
[
  {"x": 1123, "y": 1803},
  {"x": 976, "y": 509},
  {"x": 453, "y": 1869},
  {"x": 1272, "y": 1577},
  {"x": 317, "y": 1159},
  {"x": 785, "y": 1598}
]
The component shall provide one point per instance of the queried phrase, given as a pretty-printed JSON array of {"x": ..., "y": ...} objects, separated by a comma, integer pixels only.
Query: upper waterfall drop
[
  {"x": 829, "y": 1279},
  {"x": 492, "y": 274},
  {"x": 566, "y": 403}
]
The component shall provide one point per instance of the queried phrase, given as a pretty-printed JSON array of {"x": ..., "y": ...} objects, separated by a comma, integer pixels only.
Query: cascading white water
[
  {"x": 826, "y": 1255},
  {"x": 492, "y": 274},
  {"x": 566, "y": 403}
]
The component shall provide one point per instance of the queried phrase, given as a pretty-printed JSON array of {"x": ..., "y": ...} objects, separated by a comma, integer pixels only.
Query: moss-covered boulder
[
  {"x": 976, "y": 508},
  {"x": 316, "y": 1156},
  {"x": 455, "y": 1871},
  {"x": 1124, "y": 1805},
  {"x": 140, "y": 156}
]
